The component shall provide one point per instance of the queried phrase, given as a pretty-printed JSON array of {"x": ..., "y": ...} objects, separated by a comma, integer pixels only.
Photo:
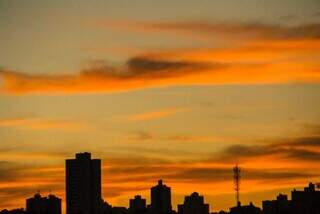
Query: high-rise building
[
  {"x": 279, "y": 206},
  {"x": 43, "y": 205},
  {"x": 137, "y": 204},
  {"x": 83, "y": 185},
  {"x": 193, "y": 204},
  {"x": 161, "y": 199}
]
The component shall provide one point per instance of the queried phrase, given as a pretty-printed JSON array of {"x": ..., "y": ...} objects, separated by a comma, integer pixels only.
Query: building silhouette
[
  {"x": 137, "y": 205},
  {"x": 160, "y": 199},
  {"x": 245, "y": 209},
  {"x": 119, "y": 210},
  {"x": 193, "y": 204},
  {"x": 220, "y": 212},
  {"x": 302, "y": 202},
  {"x": 306, "y": 201},
  {"x": 279, "y": 206},
  {"x": 14, "y": 211},
  {"x": 83, "y": 185},
  {"x": 83, "y": 196},
  {"x": 43, "y": 205}
]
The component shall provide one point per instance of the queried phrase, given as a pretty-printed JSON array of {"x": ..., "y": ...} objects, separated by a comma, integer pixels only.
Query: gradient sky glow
[{"x": 173, "y": 89}]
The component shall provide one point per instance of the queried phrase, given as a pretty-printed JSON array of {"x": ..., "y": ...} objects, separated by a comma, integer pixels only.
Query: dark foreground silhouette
[{"x": 83, "y": 196}]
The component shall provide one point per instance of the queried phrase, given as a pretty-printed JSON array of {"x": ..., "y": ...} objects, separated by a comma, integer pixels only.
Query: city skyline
[
  {"x": 179, "y": 90},
  {"x": 83, "y": 196}
]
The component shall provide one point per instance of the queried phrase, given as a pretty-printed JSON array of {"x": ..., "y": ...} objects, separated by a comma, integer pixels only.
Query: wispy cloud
[
  {"x": 269, "y": 54},
  {"x": 138, "y": 72},
  {"x": 233, "y": 68},
  {"x": 232, "y": 29},
  {"x": 184, "y": 138},
  {"x": 141, "y": 136},
  {"x": 154, "y": 115},
  {"x": 295, "y": 149},
  {"x": 42, "y": 124}
]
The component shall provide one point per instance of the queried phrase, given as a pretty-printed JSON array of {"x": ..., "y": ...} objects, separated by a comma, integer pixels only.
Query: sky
[{"x": 179, "y": 90}]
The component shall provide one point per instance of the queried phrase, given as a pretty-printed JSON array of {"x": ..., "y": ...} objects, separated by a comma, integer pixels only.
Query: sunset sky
[{"x": 175, "y": 89}]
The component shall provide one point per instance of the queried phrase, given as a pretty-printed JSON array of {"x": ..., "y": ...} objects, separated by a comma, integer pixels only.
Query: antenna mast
[{"x": 236, "y": 179}]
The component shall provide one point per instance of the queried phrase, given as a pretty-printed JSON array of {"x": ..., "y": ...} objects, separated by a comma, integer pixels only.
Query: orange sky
[{"x": 159, "y": 93}]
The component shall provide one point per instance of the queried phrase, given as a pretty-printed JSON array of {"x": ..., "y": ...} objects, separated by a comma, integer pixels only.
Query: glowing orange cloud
[
  {"x": 186, "y": 68},
  {"x": 42, "y": 124},
  {"x": 269, "y": 55},
  {"x": 155, "y": 114}
]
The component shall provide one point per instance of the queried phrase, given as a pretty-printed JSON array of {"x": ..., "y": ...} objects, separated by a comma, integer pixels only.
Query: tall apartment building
[
  {"x": 83, "y": 185},
  {"x": 161, "y": 199}
]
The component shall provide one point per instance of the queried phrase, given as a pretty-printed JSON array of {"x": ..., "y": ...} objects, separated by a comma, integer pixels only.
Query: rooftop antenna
[{"x": 236, "y": 179}]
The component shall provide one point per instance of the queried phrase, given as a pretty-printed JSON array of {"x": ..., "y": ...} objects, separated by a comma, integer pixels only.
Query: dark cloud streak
[
  {"x": 297, "y": 149},
  {"x": 234, "y": 29}
]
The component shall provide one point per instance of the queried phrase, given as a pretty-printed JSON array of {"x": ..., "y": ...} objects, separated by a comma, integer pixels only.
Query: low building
[
  {"x": 137, "y": 205},
  {"x": 193, "y": 204},
  {"x": 119, "y": 210},
  {"x": 279, "y": 206},
  {"x": 43, "y": 205},
  {"x": 306, "y": 201},
  {"x": 246, "y": 209}
]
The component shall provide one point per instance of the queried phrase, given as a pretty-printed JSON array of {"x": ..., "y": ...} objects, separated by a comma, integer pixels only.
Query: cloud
[
  {"x": 144, "y": 67},
  {"x": 14, "y": 173},
  {"x": 302, "y": 149},
  {"x": 311, "y": 141},
  {"x": 115, "y": 191},
  {"x": 312, "y": 128},
  {"x": 217, "y": 167},
  {"x": 183, "y": 138},
  {"x": 254, "y": 62},
  {"x": 232, "y": 29},
  {"x": 137, "y": 73},
  {"x": 193, "y": 138},
  {"x": 153, "y": 115},
  {"x": 269, "y": 54},
  {"x": 162, "y": 69},
  {"x": 7, "y": 170},
  {"x": 42, "y": 124},
  {"x": 19, "y": 154},
  {"x": 214, "y": 174},
  {"x": 196, "y": 173},
  {"x": 141, "y": 136}
]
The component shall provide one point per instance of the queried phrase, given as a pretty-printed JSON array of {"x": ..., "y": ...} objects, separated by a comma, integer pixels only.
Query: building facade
[{"x": 83, "y": 185}]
